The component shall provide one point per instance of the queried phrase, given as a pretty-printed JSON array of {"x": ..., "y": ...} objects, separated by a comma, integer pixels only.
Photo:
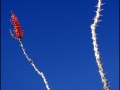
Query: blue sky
[{"x": 57, "y": 37}]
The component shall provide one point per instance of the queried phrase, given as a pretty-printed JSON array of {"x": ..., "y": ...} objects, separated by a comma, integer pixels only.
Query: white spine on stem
[
  {"x": 95, "y": 45},
  {"x": 40, "y": 73}
]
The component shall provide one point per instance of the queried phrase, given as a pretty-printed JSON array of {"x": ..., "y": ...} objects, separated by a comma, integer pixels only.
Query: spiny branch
[
  {"x": 95, "y": 45},
  {"x": 31, "y": 62}
]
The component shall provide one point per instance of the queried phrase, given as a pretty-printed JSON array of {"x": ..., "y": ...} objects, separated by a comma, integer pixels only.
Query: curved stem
[
  {"x": 31, "y": 62},
  {"x": 95, "y": 45}
]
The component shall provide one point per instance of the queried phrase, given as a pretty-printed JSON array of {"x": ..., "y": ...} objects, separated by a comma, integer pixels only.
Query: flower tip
[{"x": 12, "y": 12}]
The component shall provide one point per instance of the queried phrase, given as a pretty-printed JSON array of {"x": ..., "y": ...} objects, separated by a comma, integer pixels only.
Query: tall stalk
[
  {"x": 95, "y": 45},
  {"x": 18, "y": 35}
]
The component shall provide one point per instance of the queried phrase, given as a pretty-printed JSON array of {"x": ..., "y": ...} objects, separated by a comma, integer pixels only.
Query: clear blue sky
[{"x": 57, "y": 37}]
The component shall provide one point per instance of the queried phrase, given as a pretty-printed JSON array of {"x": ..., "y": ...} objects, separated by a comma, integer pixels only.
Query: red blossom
[{"x": 17, "y": 27}]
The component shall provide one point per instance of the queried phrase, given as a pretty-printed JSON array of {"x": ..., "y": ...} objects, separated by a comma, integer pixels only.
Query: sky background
[{"x": 57, "y": 36}]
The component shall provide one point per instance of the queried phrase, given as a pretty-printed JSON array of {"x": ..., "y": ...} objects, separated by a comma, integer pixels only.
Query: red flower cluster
[{"x": 17, "y": 28}]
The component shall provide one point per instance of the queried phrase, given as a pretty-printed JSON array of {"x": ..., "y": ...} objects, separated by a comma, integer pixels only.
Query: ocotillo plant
[
  {"x": 18, "y": 35},
  {"x": 95, "y": 45}
]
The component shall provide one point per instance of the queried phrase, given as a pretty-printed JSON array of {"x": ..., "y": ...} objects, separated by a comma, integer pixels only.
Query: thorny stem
[
  {"x": 95, "y": 45},
  {"x": 31, "y": 62}
]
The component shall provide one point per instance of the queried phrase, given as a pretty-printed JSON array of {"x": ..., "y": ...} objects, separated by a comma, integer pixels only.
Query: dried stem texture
[
  {"x": 95, "y": 45},
  {"x": 31, "y": 62}
]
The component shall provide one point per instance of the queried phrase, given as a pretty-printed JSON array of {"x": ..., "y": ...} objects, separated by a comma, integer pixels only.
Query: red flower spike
[{"x": 17, "y": 27}]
